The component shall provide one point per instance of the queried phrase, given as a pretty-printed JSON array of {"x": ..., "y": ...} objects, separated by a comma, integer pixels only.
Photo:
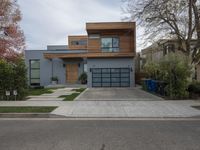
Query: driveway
[{"x": 117, "y": 94}]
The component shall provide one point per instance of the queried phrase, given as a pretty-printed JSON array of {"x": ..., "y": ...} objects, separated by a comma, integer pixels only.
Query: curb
[{"x": 29, "y": 115}]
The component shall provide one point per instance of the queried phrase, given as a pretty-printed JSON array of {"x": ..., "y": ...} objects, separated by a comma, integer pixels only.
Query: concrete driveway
[{"x": 117, "y": 94}]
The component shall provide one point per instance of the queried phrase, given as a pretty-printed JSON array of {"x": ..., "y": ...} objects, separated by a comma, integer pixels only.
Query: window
[
  {"x": 81, "y": 42},
  {"x": 34, "y": 72},
  {"x": 94, "y": 36},
  {"x": 169, "y": 48},
  {"x": 110, "y": 44}
]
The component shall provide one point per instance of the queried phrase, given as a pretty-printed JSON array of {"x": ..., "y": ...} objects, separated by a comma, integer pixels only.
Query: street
[{"x": 99, "y": 134}]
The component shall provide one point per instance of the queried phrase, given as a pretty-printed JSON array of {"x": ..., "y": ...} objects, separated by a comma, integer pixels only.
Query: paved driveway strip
[{"x": 117, "y": 94}]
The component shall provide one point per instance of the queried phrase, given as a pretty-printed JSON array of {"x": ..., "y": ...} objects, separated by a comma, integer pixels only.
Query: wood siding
[
  {"x": 126, "y": 41},
  {"x": 88, "y": 55},
  {"x": 110, "y": 25},
  {"x": 76, "y": 38}
]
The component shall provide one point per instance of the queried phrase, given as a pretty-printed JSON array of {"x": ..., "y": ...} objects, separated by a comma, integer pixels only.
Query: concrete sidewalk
[
  {"x": 129, "y": 109},
  {"x": 116, "y": 108}
]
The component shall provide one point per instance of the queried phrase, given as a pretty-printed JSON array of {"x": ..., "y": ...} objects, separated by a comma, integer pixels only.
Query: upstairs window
[
  {"x": 81, "y": 42},
  {"x": 110, "y": 44},
  {"x": 169, "y": 48}
]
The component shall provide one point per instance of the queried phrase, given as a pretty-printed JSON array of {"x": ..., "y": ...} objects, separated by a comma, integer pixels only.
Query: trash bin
[{"x": 161, "y": 88}]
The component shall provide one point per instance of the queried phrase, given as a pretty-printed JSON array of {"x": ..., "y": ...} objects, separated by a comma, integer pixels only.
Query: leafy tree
[
  {"x": 11, "y": 36},
  {"x": 178, "y": 19}
]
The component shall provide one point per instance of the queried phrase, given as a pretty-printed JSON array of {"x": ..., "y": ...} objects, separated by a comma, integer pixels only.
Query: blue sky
[{"x": 47, "y": 22}]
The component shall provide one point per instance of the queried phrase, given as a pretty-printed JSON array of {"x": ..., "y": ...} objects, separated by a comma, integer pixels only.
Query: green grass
[
  {"x": 26, "y": 109},
  {"x": 36, "y": 92},
  {"x": 79, "y": 90},
  {"x": 70, "y": 97}
]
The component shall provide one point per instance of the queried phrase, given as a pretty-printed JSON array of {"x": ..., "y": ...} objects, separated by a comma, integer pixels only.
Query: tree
[
  {"x": 11, "y": 36},
  {"x": 178, "y": 19}
]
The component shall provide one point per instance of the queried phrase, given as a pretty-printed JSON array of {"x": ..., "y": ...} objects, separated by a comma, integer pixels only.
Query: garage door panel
[
  {"x": 96, "y": 85},
  {"x": 110, "y": 77},
  {"x": 105, "y": 84}
]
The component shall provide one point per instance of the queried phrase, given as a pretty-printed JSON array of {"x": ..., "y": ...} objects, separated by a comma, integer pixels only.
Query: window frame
[
  {"x": 113, "y": 48},
  {"x": 30, "y": 72}
]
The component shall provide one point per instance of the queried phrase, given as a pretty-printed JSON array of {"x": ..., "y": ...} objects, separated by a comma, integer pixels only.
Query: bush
[
  {"x": 13, "y": 77},
  {"x": 194, "y": 87},
  {"x": 54, "y": 79},
  {"x": 174, "y": 70},
  {"x": 83, "y": 78}
]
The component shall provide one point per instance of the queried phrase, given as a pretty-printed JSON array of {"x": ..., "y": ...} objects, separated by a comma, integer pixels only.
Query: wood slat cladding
[
  {"x": 126, "y": 41},
  {"x": 78, "y": 38},
  {"x": 88, "y": 55},
  {"x": 110, "y": 25}
]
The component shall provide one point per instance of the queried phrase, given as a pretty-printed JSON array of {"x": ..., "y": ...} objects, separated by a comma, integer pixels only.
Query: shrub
[
  {"x": 13, "y": 77},
  {"x": 54, "y": 78},
  {"x": 152, "y": 69},
  {"x": 174, "y": 70},
  {"x": 83, "y": 78},
  {"x": 194, "y": 87}
]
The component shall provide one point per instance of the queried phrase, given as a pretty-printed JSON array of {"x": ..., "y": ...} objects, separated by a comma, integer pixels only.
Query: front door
[{"x": 71, "y": 73}]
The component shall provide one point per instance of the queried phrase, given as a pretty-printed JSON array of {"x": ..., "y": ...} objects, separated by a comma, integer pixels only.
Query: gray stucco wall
[
  {"x": 111, "y": 63},
  {"x": 49, "y": 68}
]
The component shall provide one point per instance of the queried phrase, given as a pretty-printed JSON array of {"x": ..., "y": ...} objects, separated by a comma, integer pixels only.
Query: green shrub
[
  {"x": 194, "y": 87},
  {"x": 83, "y": 78},
  {"x": 13, "y": 77},
  {"x": 174, "y": 70},
  {"x": 54, "y": 78}
]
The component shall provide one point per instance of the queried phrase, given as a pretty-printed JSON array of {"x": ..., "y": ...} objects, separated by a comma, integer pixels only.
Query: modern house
[
  {"x": 106, "y": 54},
  {"x": 159, "y": 49}
]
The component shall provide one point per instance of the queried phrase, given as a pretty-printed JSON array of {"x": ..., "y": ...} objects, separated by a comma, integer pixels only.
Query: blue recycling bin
[{"x": 154, "y": 86}]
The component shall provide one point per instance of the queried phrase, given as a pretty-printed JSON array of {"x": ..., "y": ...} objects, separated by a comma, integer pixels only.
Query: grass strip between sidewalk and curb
[
  {"x": 72, "y": 96},
  {"x": 26, "y": 109}
]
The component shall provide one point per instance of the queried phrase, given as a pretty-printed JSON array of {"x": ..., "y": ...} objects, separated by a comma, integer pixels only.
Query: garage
[{"x": 110, "y": 77}]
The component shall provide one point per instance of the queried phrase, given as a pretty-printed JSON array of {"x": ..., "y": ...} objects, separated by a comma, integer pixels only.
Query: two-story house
[
  {"x": 106, "y": 54},
  {"x": 158, "y": 50}
]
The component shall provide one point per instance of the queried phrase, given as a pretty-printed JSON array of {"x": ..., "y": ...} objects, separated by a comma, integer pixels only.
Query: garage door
[{"x": 110, "y": 77}]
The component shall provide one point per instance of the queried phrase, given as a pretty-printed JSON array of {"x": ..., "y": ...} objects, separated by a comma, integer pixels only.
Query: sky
[{"x": 49, "y": 22}]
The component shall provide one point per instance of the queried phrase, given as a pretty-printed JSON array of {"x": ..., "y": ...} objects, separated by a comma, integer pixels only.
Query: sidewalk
[{"x": 116, "y": 109}]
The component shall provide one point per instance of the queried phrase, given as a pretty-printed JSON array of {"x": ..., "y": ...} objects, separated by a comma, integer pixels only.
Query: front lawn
[
  {"x": 35, "y": 92},
  {"x": 26, "y": 109},
  {"x": 79, "y": 90},
  {"x": 70, "y": 97}
]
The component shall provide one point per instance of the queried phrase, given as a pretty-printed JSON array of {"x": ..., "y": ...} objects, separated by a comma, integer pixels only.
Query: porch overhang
[{"x": 87, "y": 55}]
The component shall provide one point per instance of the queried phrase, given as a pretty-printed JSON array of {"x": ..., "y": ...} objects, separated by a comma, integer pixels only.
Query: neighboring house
[
  {"x": 159, "y": 49},
  {"x": 106, "y": 53}
]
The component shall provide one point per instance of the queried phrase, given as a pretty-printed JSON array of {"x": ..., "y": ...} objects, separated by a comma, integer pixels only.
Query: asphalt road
[{"x": 99, "y": 135}]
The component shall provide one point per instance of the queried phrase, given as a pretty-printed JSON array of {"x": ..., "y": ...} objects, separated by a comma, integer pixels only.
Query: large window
[
  {"x": 110, "y": 44},
  {"x": 35, "y": 72}
]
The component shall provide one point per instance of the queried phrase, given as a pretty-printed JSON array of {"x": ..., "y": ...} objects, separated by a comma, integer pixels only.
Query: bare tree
[
  {"x": 11, "y": 36},
  {"x": 178, "y": 19}
]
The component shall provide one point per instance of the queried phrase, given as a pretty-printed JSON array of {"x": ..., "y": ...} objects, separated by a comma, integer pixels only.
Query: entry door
[
  {"x": 71, "y": 73},
  {"x": 111, "y": 77}
]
